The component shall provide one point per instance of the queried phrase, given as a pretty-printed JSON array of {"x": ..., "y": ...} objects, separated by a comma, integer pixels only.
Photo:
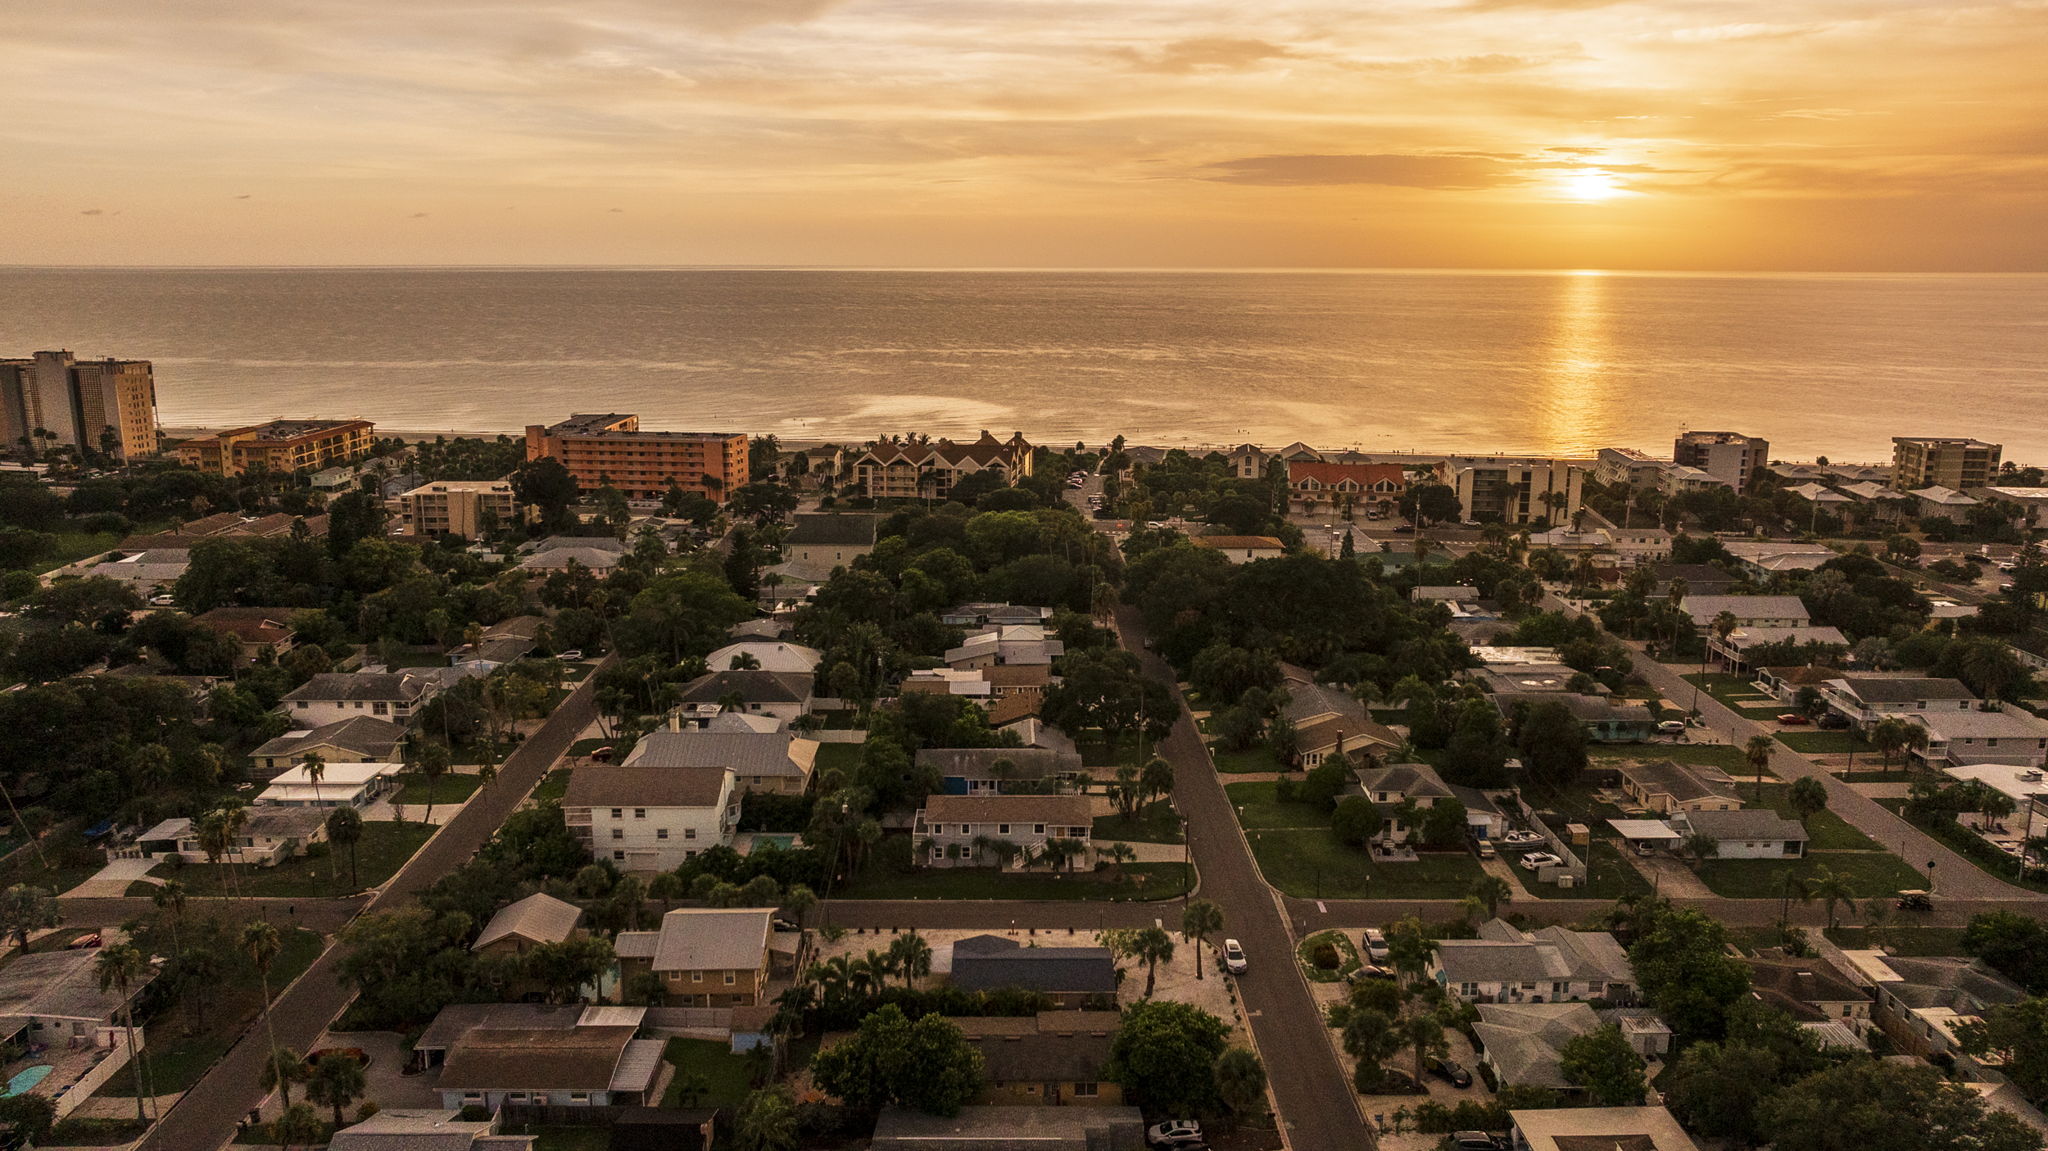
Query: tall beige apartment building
[
  {"x": 54, "y": 399},
  {"x": 1951, "y": 462},
  {"x": 1732, "y": 458},
  {"x": 456, "y": 507}
]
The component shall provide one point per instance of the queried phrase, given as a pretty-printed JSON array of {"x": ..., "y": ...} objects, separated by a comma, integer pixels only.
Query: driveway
[{"x": 111, "y": 881}]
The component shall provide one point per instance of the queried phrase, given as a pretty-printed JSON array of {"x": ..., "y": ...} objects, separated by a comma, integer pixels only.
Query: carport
[{"x": 1646, "y": 835}]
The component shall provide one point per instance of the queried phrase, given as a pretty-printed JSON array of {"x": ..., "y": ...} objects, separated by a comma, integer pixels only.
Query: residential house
[
  {"x": 649, "y": 818},
  {"x": 786, "y": 695},
  {"x": 1242, "y": 549},
  {"x": 1700, "y": 579},
  {"x": 1666, "y": 787},
  {"x": 980, "y": 830},
  {"x": 994, "y": 770},
  {"x": 1484, "y": 816},
  {"x": 1313, "y": 485},
  {"x": 969, "y": 682},
  {"x": 1397, "y": 786},
  {"x": 1531, "y": 678},
  {"x": 334, "y": 696},
  {"x": 1524, "y": 1042},
  {"x": 1938, "y": 502},
  {"x": 1248, "y": 461},
  {"x": 1762, "y": 559},
  {"x": 1446, "y": 593},
  {"x": 1508, "y": 965},
  {"x": 523, "y": 924},
  {"x": 1809, "y": 989},
  {"x": 500, "y": 643},
  {"x": 257, "y": 629},
  {"x": 710, "y": 957},
  {"x": 356, "y": 785},
  {"x": 765, "y": 655},
  {"x": 1867, "y": 700},
  {"x": 494, "y": 1055},
  {"x": 1733, "y": 651},
  {"x": 357, "y": 739},
  {"x": 1599, "y": 1129},
  {"x": 1009, "y": 1128},
  {"x": 1752, "y": 833},
  {"x": 828, "y": 540},
  {"x": 1328, "y": 720},
  {"x": 1748, "y": 610},
  {"x": 1054, "y": 1058},
  {"x": 1921, "y": 1000},
  {"x": 412, "y": 1129},
  {"x": 2008, "y": 736},
  {"x": 1606, "y": 719},
  {"x": 269, "y": 835},
  {"x": 767, "y": 762},
  {"x": 1016, "y": 690},
  {"x": 55, "y": 1011},
  {"x": 1072, "y": 976},
  {"x": 1003, "y": 645},
  {"x": 928, "y": 469}
]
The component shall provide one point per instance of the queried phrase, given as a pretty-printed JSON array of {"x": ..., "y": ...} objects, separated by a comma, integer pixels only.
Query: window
[
  {"x": 618, "y": 833},
  {"x": 639, "y": 813},
  {"x": 618, "y": 856},
  {"x": 618, "y": 813},
  {"x": 579, "y": 1096},
  {"x": 661, "y": 833},
  {"x": 1086, "y": 1090},
  {"x": 381, "y": 708},
  {"x": 1038, "y": 829},
  {"x": 731, "y": 978},
  {"x": 1002, "y": 829},
  {"x": 696, "y": 977},
  {"x": 689, "y": 833},
  {"x": 472, "y": 1097}
]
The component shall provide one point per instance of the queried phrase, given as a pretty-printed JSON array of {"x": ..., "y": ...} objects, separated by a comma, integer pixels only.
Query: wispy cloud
[{"x": 1450, "y": 172}]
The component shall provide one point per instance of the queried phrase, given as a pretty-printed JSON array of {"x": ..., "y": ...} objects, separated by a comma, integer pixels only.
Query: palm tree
[
  {"x": 119, "y": 967},
  {"x": 1758, "y": 753},
  {"x": 316, "y": 770},
  {"x": 1491, "y": 890},
  {"x": 170, "y": 899},
  {"x": 284, "y": 1068},
  {"x": 1675, "y": 597},
  {"x": 299, "y": 1126},
  {"x": 1830, "y": 887},
  {"x": 1151, "y": 945},
  {"x": 1201, "y": 919},
  {"x": 1119, "y": 854},
  {"x": 1724, "y": 625},
  {"x": 434, "y": 760},
  {"x": 1422, "y": 1033},
  {"x": 911, "y": 956},
  {"x": 345, "y": 829},
  {"x": 1698, "y": 846},
  {"x": 1889, "y": 736},
  {"x": 337, "y": 1081},
  {"x": 261, "y": 943},
  {"x": 1808, "y": 798},
  {"x": 1157, "y": 778},
  {"x": 767, "y": 1121}
]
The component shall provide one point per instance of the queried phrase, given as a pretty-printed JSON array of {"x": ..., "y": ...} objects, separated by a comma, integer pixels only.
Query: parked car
[
  {"x": 1450, "y": 1072},
  {"x": 1522, "y": 839},
  {"x": 1233, "y": 957},
  {"x": 1476, "y": 1141},
  {"x": 1370, "y": 972},
  {"x": 1485, "y": 848},
  {"x": 570, "y": 656},
  {"x": 1915, "y": 901},
  {"x": 1375, "y": 942},
  {"x": 1536, "y": 859},
  {"x": 1794, "y": 719},
  {"x": 1174, "y": 1133},
  {"x": 1671, "y": 727},
  {"x": 1833, "y": 721}
]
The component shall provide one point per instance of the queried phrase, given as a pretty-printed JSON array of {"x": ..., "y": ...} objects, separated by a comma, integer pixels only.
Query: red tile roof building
[{"x": 1313, "y": 485}]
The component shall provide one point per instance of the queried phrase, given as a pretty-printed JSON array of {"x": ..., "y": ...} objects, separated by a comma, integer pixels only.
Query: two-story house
[
  {"x": 2008, "y": 736},
  {"x": 333, "y": 696},
  {"x": 767, "y": 762},
  {"x": 650, "y": 818},
  {"x": 710, "y": 957},
  {"x": 1867, "y": 701},
  {"x": 786, "y": 695},
  {"x": 1011, "y": 831},
  {"x": 1052, "y": 1059},
  {"x": 993, "y": 770}
]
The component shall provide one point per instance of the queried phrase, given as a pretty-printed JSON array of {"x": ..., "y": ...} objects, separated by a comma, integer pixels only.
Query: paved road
[
  {"x": 206, "y": 1116},
  {"x": 1318, "y": 1109},
  {"x": 1955, "y": 877}
]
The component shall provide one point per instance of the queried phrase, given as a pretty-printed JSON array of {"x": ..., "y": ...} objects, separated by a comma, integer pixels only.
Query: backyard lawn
[
  {"x": 1870, "y": 873},
  {"x": 1724, "y": 756},
  {"x": 1735, "y": 692},
  {"x": 1609, "y": 875},
  {"x": 452, "y": 787},
  {"x": 1258, "y": 758},
  {"x": 1827, "y": 830},
  {"x": 725, "y": 1078},
  {"x": 552, "y": 787},
  {"x": 843, "y": 757},
  {"x": 889, "y": 875},
  {"x": 1257, "y": 808},
  {"x": 180, "y": 1050},
  {"x": 384, "y": 849},
  {"x": 1828, "y": 743},
  {"x": 1156, "y": 822},
  {"x": 1309, "y": 863}
]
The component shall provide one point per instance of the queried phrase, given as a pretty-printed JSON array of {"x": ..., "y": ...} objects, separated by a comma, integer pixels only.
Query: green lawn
[
  {"x": 452, "y": 787},
  {"x": 841, "y": 756},
  {"x": 384, "y": 849},
  {"x": 1827, "y": 743},
  {"x": 74, "y": 546},
  {"x": 1903, "y": 940},
  {"x": 568, "y": 1138},
  {"x": 1156, "y": 822},
  {"x": 552, "y": 787},
  {"x": 180, "y": 1050},
  {"x": 1870, "y": 873},
  {"x": 1724, "y": 756},
  {"x": 1732, "y": 690},
  {"x": 1095, "y": 753},
  {"x": 1256, "y": 808},
  {"x": 1140, "y": 881},
  {"x": 726, "y": 1078},
  {"x": 24, "y": 867},
  {"x": 1347, "y": 956},
  {"x": 584, "y": 747},
  {"x": 1827, "y": 830},
  {"x": 1258, "y": 758},
  {"x": 1609, "y": 875},
  {"x": 841, "y": 720},
  {"x": 1311, "y": 864}
]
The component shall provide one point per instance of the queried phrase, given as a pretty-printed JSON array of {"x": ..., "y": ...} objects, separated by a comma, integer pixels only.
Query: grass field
[
  {"x": 725, "y": 1078},
  {"x": 1827, "y": 743},
  {"x": 1156, "y": 822},
  {"x": 843, "y": 757},
  {"x": 452, "y": 787},
  {"x": 1257, "y": 808},
  {"x": 1724, "y": 756},
  {"x": 384, "y": 849},
  {"x": 71, "y": 547},
  {"x": 1872, "y": 873},
  {"x": 1310, "y": 864},
  {"x": 552, "y": 787},
  {"x": 1828, "y": 831},
  {"x": 180, "y": 1050},
  {"x": 1251, "y": 759},
  {"x": 1732, "y": 690},
  {"x": 889, "y": 875},
  {"x": 1347, "y": 956}
]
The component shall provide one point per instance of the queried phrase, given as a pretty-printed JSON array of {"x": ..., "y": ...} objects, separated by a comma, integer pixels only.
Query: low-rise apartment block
[
  {"x": 928, "y": 469},
  {"x": 468, "y": 508},
  {"x": 279, "y": 446},
  {"x": 994, "y": 830},
  {"x": 611, "y": 448},
  {"x": 1955, "y": 462},
  {"x": 1495, "y": 489},
  {"x": 1731, "y": 458}
]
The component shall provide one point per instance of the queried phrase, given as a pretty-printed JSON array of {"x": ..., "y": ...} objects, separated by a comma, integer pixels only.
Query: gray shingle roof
[
  {"x": 1681, "y": 783},
  {"x": 539, "y": 917},
  {"x": 988, "y": 962},
  {"x": 1524, "y": 1041},
  {"x": 750, "y": 686},
  {"x": 363, "y": 734},
  {"x": 745, "y": 752},
  {"x": 1744, "y": 824},
  {"x": 616, "y": 785},
  {"x": 1906, "y": 690},
  {"x": 979, "y": 762},
  {"x": 713, "y": 939},
  {"x": 350, "y": 686}
]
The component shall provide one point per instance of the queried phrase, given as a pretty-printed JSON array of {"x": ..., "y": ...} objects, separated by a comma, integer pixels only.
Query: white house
[
  {"x": 970, "y": 830},
  {"x": 1748, "y": 610},
  {"x": 765, "y": 655},
  {"x": 331, "y": 697},
  {"x": 356, "y": 785},
  {"x": 2005, "y": 736},
  {"x": 1867, "y": 701},
  {"x": 651, "y": 818},
  {"x": 1554, "y": 964},
  {"x": 1745, "y": 834},
  {"x": 828, "y": 540},
  {"x": 268, "y": 836}
]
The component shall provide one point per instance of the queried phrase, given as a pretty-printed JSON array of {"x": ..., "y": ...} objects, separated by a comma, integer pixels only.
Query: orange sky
[{"x": 1683, "y": 134}]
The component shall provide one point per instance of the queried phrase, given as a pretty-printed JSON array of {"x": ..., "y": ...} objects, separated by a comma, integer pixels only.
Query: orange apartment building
[
  {"x": 611, "y": 448},
  {"x": 279, "y": 446}
]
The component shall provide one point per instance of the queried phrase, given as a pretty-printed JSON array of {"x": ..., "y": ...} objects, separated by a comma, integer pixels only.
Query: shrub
[{"x": 1325, "y": 956}]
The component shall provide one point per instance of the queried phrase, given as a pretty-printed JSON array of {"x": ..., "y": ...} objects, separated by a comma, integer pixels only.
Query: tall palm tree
[
  {"x": 170, "y": 899},
  {"x": 1491, "y": 890},
  {"x": 345, "y": 829},
  {"x": 284, "y": 1068},
  {"x": 1150, "y": 946},
  {"x": 261, "y": 943},
  {"x": 337, "y": 1080},
  {"x": 1422, "y": 1033},
  {"x": 1758, "y": 754},
  {"x": 1830, "y": 887},
  {"x": 1201, "y": 919},
  {"x": 911, "y": 956},
  {"x": 120, "y": 967},
  {"x": 316, "y": 770}
]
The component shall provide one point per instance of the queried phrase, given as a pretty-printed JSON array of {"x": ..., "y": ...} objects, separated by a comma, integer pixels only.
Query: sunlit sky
[{"x": 1869, "y": 135}]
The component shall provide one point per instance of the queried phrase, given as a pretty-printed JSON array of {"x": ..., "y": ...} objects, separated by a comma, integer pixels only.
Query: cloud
[
  {"x": 243, "y": 196},
  {"x": 1452, "y": 172},
  {"x": 615, "y": 209},
  {"x": 419, "y": 215},
  {"x": 1205, "y": 54},
  {"x": 94, "y": 212}
]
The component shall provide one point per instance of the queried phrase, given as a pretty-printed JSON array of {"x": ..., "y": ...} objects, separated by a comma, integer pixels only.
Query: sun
[{"x": 1590, "y": 185}]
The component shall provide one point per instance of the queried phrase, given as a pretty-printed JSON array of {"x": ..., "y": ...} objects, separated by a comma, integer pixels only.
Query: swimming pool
[{"x": 26, "y": 1079}]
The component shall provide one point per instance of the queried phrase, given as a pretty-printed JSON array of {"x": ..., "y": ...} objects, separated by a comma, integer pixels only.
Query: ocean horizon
[{"x": 1426, "y": 360}]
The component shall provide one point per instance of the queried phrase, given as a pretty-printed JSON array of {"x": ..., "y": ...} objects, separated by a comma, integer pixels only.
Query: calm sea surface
[{"x": 1544, "y": 362}]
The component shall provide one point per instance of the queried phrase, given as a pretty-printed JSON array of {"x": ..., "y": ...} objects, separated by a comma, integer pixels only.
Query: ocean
[{"x": 1548, "y": 363}]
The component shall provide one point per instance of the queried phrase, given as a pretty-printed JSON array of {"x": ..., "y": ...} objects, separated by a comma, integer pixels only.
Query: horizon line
[{"x": 1131, "y": 269}]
